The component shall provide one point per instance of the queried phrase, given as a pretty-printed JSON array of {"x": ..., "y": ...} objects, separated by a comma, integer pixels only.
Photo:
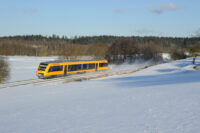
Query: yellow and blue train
[{"x": 60, "y": 68}]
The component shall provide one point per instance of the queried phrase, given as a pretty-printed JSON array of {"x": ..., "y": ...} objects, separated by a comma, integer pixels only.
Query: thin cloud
[
  {"x": 145, "y": 31},
  {"x": 30, "y": 10},
  {"x": 167, "y": 7},
  {"x": 119, "y": 10},
  {"x": 24, "y": 10}
]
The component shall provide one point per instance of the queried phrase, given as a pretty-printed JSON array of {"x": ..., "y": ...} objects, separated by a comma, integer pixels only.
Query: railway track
[
  {"x": 69, "y": 78},
  {"x": 47, "y": 81}
]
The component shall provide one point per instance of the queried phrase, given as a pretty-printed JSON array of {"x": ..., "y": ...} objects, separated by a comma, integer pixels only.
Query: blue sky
[{"x": 177, "y": 18}]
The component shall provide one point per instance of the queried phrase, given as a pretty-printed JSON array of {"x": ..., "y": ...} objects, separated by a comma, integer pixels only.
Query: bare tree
[
  {"x": 121, "y": 49},
  {"x": 194, "y": 51},
  {"x": 4, "y": 69},
  {"x": 177, "y": 52}
]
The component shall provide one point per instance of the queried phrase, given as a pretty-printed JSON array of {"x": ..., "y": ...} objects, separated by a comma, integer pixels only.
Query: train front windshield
[{"x": 42, "y": 67}]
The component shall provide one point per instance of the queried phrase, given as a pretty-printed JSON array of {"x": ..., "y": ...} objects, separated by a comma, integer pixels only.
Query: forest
[{"x": 113, "y": 48}]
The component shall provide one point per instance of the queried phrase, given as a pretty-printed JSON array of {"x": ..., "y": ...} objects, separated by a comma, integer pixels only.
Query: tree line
[
  {"x": 184, "y": 41},
  {"x": 114, "y": 48}
]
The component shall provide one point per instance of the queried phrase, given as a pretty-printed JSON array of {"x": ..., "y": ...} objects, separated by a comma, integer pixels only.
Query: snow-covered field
[
  {"x": 161, "y": 99},
  {"x": 24, "y": 67}
]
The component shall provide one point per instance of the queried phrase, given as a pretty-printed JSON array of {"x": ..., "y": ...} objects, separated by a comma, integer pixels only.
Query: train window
[
  {"x": 74, "y": 67},
  {"x": 55, "y": 68},
  {"x": 79, "y": 67},
  {"x": 91, "y": 66},
  {"x": 42, "y": 67},
  {"x": 88, "y": 66},
  {"x": 103, "y": 64},
  {"x": 70, "y": 68},
  {"x": 85, "y": 66}
]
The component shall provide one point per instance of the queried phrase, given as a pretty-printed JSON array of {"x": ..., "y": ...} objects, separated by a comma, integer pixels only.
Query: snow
[
  {"x": 160, "y": 99},
  {"x": 131, "y": 66},
  {"x": 166, "y": 56},
  {"x": 24, "y": 67}
]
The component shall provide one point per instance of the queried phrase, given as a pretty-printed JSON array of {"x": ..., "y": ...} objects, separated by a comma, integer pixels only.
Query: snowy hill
[{"x": 160, "y": 99}]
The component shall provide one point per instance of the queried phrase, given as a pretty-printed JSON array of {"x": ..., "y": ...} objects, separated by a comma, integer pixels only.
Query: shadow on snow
[{"x": 182, "y": 77}]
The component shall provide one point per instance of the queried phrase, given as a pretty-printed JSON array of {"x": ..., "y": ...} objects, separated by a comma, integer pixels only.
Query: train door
[
  {"x": 65, "y": 71},
  {"x": 96, "y": 66}
]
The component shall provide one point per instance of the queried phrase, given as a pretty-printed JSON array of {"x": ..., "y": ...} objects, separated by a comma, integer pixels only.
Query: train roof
[{"x": 65, "y": 61}]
